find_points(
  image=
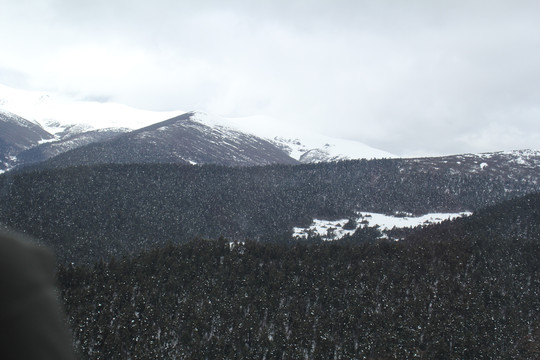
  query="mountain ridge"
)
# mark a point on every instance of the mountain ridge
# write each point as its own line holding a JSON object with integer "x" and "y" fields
{"x": 16, "y": 135}
{"x": 75, "y": 123}
{"x": 177, "y": 140}
{"x": 61, "y": 116}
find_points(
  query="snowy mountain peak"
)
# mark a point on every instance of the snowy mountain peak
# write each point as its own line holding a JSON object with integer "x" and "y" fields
{"x": 300, "y": 144}
{"x": 62, "y": 116}
{"x": 178, "y": 140}
{"x": 9, "y": 117}
{"x": 58, "y": 114}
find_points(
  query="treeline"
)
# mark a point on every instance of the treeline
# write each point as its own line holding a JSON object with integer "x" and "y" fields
{"x": 88, "y": 213}
{"x": 450, "y": 291}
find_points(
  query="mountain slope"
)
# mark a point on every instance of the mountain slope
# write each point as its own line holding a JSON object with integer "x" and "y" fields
{"x": 301, "y": 144}
{"x": 515, "y": 219}
{"x": 441, "y": 296}
{"x": 67, "y": 141}
{"x": 16, "y": 135}
{"x": 178, "y": 140}
{"x": 89, "y": 212}
{"x": 519, "y": 163}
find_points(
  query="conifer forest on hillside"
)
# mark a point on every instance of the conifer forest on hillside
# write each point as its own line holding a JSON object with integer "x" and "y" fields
{"x": 199, "y": 262}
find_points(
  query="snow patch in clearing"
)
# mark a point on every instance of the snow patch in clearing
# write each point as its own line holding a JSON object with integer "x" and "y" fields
{"x": 45, "y": 141}
{"x": 386, "y": 222}
{"x": 333, "y": 229}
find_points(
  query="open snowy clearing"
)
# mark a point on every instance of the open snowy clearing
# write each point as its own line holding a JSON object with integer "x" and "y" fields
{"x": 333, "y": 229}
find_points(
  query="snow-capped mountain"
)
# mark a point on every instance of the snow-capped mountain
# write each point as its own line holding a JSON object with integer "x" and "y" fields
{"x": 60, "y": 124}
{"x": 16, "y": 135}
{"x": 63, "y": 117}
{"x": 61, "y": 144}
{"x": 23, "y": 142}
{"x": 301, "y": 144}
{"x": 66, "y": 123}
{"x": 178, "y": 140}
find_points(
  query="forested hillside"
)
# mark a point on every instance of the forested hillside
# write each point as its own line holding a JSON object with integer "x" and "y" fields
{"x": 87, "y": 213}
{"x": 455, "y": 291}
{"x": 514, "y": 219}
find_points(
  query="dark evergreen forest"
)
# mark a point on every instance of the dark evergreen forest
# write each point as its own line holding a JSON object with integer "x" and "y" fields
{"x": 463, "y": 289}
{"x": 95, "y": 212}
{"x": 198, "y": 262}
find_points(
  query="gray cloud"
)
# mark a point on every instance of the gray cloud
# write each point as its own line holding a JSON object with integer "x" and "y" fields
{"x": 415, "y": 77}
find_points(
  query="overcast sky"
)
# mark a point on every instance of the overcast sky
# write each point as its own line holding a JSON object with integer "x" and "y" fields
{"x": 409, "y": 77}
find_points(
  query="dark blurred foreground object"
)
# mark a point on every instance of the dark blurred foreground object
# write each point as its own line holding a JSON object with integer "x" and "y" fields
{"x": 31, "y": 322}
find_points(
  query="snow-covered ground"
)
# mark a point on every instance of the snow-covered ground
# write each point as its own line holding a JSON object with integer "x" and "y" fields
{"x": 333, "y": 229}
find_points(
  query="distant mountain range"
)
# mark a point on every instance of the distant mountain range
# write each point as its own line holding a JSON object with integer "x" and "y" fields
{"x": 35, "y": 127}
{"x": 186, "y": 137}
{"x": 197, "y": 138}
{"x": 190, "y": 138}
